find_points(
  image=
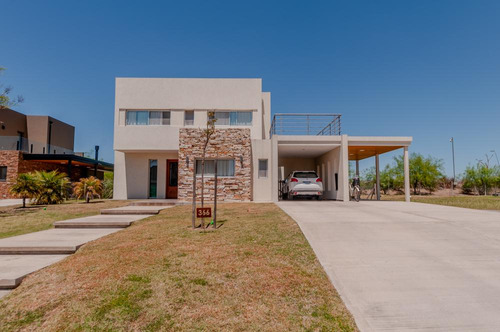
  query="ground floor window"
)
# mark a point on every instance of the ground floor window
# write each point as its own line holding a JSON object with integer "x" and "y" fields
{"x": 153, "y": 176}
{"x": 3, "y": 173}
{"x": 262, "y": 168}
{"x": 224, "y": 167}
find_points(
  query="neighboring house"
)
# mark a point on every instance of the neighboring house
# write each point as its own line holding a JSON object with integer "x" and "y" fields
{"x": 158, "y": 141}
{"x": 36, "y": 142}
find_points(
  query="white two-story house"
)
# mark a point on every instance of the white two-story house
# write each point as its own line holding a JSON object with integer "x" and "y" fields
{"x": 158, "y": 142}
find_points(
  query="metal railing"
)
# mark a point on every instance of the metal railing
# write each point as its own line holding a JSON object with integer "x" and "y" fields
{"x": 30, "y": 146}
{"x": 306, "y": 124}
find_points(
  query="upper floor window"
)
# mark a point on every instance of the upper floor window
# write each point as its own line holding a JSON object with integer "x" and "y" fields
{"x": 188, "y": 118}
{"x": 147, "y": 118}
{"x": 242, "y": 118}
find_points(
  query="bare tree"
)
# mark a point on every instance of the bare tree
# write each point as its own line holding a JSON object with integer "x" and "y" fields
{"x": 207, "y": 134}
{"x": 5, "y": 100}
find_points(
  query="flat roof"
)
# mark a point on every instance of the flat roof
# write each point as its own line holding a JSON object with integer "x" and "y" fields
{"x": 75, "y": 160}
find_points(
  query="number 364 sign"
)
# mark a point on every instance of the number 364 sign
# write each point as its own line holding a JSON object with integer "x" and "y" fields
{"x": 204, "y": 212}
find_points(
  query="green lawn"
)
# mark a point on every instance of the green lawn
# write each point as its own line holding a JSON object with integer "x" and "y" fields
{"x": 471, "y": 202}
{"x": 256, "y": 272}
{"x": 14, "y": 220}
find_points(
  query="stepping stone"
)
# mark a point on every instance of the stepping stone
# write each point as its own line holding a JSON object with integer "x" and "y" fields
{"x": 52, "y": 241}
{"x": 4, "y": 292}
{"x": 154, "y": 202}
{"x": 100, "y": 221}
{"x": 145, "y": 210}
{"x": 13, "y": 268}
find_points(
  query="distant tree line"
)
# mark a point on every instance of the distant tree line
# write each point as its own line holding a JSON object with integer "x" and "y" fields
{"x": 427, "y": 174}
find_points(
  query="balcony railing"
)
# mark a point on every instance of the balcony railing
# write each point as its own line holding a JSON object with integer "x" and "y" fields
{"x": 30, "y": 146}
{"x": 306, "y": 124}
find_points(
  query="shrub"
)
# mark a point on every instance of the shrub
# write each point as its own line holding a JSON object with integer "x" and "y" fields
{"x": 52, "y": 187}
{"x": 26, "y": 186}
{"x": 107, "y": 185}
{"x": 88, "y": 188}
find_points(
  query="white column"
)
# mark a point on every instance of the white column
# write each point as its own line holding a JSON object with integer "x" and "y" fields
{"x": 407, "y": 174}
{"x": 344, "y": 169}
{"x": 357, "y": 168}
{"x": 274, "y": 169}
{"x": 377, "y": 175}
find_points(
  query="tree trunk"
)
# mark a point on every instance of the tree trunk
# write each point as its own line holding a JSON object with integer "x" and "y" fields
{"x": 24, "y": 202}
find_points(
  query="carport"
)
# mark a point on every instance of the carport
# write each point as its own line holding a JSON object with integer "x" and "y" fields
{"x": 360, "y": 148}
{"x": 329, "y": 156}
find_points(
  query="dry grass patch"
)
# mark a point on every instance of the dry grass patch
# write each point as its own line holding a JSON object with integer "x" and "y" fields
{"x": 255, "y": 273}
{"x": 471, "y": 202}
{"x": 14, "y": 220}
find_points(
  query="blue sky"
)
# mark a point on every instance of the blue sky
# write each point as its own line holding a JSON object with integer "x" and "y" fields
{"x": 427, "y": 69}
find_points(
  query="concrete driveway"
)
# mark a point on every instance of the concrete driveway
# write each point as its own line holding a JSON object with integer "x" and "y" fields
{"x": 408, "y": 266}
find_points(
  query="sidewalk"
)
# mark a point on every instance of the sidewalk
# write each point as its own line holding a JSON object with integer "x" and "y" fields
{"x": 25, "y": 254}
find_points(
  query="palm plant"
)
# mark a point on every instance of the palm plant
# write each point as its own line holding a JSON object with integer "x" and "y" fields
{"x": 26, "y": 186}
{"x": 53, "y": 187}
{"x": 88, "y": 188}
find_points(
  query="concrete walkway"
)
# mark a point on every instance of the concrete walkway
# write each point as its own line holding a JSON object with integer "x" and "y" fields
{"x": 25, "y": 254}
{"x": 408, "y": 266}
{"x": 10, "y": 202}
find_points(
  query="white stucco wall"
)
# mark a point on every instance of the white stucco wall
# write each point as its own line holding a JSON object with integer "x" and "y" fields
{"x": 261, "y": 149}
{"x": 329, "y": 164}
{"x": 177, "y": 95}
{"x": 131, "y": 178}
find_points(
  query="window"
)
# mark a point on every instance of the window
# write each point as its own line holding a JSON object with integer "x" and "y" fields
{"x": 188, "y": 118}
{"x": 3, "y": 173}
{"x": 153, "y": 176}
{"x": 145, "y": 118}
{"x": 224, "y": 167}
{"x": 262, "y": 168}
{"x": 242, "y": 118}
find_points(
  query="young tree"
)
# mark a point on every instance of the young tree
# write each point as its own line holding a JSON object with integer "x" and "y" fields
{"x": 425, "y": 173}
{"x": 26, "y": 186}
{"x": 5, "y": 100}
{"x": 88, "y": 188}
{"x": 207, "y": 134}
{"x": 480, "y": 179}
{"x": 53, "y": 187}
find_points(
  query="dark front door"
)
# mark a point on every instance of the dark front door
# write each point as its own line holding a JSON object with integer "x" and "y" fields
{"x": 172, "y": 177}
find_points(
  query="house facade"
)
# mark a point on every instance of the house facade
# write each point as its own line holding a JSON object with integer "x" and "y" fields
{"x": 40, "y": 143}
{"x": 159, "y": 137}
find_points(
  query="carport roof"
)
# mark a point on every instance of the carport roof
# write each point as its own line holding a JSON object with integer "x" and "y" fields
{"x": 362, "y": 147}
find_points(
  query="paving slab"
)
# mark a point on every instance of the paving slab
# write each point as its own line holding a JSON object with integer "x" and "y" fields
{"x": 408, "y": 266}
{"x": 4, "y": 292}
{"x": 52, "y": 241}
{"x": 145, "y": 210}
{"x": 100, "y": 221}
{"x": 11, "y": 201}
{"x": 154, "y": 202}
{"x": 13, "y": 268}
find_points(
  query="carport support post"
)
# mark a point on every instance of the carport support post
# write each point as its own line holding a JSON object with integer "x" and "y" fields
{"x": 406, "y": 159}
{"x": 344, "y": 167}
{"x": 357, "y": 168}
{"x": 377, "y": 175}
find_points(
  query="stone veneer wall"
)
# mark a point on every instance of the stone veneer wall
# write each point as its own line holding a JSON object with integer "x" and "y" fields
{"x": 225, "y": 144}
{"x": 11, "y": 160}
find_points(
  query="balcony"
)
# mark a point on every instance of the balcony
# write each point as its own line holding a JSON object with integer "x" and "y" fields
{"x": 17, "y": 143}
{"x": 306, "y": 124}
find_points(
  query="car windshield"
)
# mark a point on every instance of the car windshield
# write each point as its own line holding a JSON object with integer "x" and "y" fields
{"x": 304, "y": 175}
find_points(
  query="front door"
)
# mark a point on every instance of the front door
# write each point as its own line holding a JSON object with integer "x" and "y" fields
{"x": 172, "y": 177}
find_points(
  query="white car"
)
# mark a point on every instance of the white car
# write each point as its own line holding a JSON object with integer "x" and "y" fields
{"x": 302, "y": 184}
